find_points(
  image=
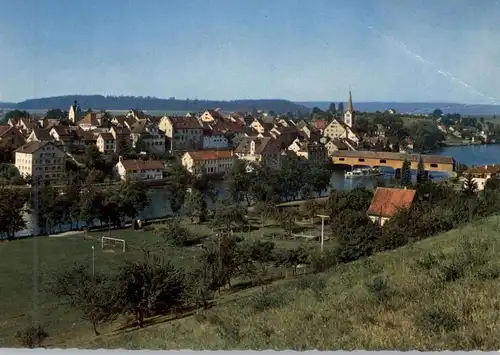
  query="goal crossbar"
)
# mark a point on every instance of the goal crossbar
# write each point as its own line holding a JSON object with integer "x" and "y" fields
{"x": 114, "y": 239}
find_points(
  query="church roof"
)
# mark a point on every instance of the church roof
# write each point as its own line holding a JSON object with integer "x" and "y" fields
{"x": 349, "y": 103}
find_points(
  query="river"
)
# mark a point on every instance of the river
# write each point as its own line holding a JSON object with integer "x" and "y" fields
{"x": 469, "y": 155}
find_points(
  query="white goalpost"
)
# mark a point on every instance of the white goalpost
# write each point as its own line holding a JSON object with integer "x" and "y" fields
{"x": 114, "y": 240}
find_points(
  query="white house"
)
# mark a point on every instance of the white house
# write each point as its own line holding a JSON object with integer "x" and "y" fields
{"x": 139, "y": 169}
{"x": 481, "y": 174}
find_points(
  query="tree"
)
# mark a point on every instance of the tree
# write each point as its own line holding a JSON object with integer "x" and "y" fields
{"x": 332, "y": 108}
{"x": 9, "y": 175}
{"x": 425, "y": 135}
{"x": 199, "y": 291}
{"x": 132, "y": 199}
{"x": 195, "y": 206}
{"x": 176, "y": 185}
{"x": 89, "y": 204}
{"x": 317, "y": 175}
{"x": 492, "y": 184}
{"x": 16, "y": 114}
{"x": 148, "y": 287}
{"x": 11, "y": 212}
{"x": 94, "y": 160}
{"x": 405, "y": 173}
{"x": 264, "y": 184}
{"x": 286, "y": 219}
{"x": 437, "y": 113}
{"x": 469, "y": 185}
{"x": 228, "y": 213}
{"x": 265, "y": 210}
{"x": 361, "y": 239}
{"x": 90, "y": 294}
{"x": 316, "y": 111}
{"x": 56, "y": 114}
{"x": 290, "y": 179}
{"x": 256, "y": 257}
{"x": 173, "y": 233}
{"x": 421, "y": 175}
{"x": 238, "y": 181}
{"x": 340, "y": 108}
{"x": 51, "y": 208}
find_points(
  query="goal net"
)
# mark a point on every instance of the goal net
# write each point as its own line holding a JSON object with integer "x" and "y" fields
{"x": 112, "y": 242}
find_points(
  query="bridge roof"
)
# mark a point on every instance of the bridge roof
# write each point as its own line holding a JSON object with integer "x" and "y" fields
{"x": 436, "y": 159}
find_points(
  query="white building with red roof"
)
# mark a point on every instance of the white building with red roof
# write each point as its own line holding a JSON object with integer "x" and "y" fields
{"x": 208, "y": 161}
{"x": 139, "y": 169}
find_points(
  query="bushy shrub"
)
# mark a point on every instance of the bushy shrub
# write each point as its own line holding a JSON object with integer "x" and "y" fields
{"x": 31, "y": 337}
{"x": 379, "y": 288}
{"x": 437, "y": 320}
{"x": 429, "y": 261}
{"x": 268, "y": 299}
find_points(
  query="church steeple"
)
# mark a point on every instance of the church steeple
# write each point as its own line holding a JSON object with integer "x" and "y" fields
{"x": 349, "y": 114}
{"x": 349, "y": 103}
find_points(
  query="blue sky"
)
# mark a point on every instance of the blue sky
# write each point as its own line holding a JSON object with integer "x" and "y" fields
{"x": 229, "y": 49}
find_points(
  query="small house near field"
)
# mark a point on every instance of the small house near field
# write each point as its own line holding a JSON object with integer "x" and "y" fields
{"x": 387, "y": 202}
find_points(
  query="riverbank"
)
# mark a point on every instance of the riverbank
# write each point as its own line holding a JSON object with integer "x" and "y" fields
{"x": 458, "y": 143}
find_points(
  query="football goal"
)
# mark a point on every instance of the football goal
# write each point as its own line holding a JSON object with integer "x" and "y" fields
{"x": 113, "y": 241}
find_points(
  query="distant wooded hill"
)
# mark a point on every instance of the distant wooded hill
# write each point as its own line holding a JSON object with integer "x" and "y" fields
{"x": 156, "y": 104}
{"x": 415, "y": 107}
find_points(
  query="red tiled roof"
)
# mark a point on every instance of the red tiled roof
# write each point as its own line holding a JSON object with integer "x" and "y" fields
{"x": 484, "y": 169}
{"x": 141, "y": 165}
{"x": 4, "y": 129}
{"x": 184, "y": 122}
{"x": 210, "y": 154}
{"x": 42, "y": 134}
{"x": 387, "y": 201}
{"x": 90, "y": 118}
{"x": 107, "y": 136}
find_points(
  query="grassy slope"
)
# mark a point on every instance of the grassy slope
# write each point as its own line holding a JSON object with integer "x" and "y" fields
{"x": 338, "y": 310}
{"x": 55, "y": 253}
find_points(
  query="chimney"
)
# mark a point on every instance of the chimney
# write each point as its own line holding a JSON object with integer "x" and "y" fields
{"x": 120, "y": 158}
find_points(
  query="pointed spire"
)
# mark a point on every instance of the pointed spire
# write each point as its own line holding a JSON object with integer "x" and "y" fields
{"x": 349, "y": 103}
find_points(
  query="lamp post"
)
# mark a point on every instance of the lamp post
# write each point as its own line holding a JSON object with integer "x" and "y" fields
{"x": 93, "y": 261}
{"x": 323, "y": 217}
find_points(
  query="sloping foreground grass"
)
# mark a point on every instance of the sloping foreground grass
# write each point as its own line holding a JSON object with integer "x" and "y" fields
{"x": 18, "y": 306}
{"x": 441, "y": 293}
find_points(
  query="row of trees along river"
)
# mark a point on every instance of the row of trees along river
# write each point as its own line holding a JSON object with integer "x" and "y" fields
{"x": 81, "y": 204}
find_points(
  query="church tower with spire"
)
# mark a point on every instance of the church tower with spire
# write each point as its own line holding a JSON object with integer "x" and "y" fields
{"x": 349, "y": 114}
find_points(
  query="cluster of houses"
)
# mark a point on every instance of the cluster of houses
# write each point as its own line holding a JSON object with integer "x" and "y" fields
{"x": 467, "y": 133}
{"x": 207, "y": 142}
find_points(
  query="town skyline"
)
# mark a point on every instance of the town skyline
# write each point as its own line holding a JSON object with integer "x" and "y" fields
{"x": 298, "y": 52}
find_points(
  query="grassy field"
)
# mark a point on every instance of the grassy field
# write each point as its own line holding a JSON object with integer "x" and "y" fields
{"x": 441, "y": 293}
{"x": 17, "y": 295}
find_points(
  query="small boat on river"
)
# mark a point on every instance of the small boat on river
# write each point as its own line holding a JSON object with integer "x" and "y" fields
{"x": 363, "y": 172}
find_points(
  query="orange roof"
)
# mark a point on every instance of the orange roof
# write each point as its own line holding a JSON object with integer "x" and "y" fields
{"x": 484, "y": 169}
{"x": 141, "y": 165}
{"x": 387, "y": 201}
{"x": 89, "y": 118}
{"x": 210, "y": 154}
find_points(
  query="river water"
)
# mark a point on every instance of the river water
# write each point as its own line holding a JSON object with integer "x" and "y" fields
{"x": 468, "y": 155}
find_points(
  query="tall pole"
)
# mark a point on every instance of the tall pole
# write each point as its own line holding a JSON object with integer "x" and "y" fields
{"x": 322, "y": 216}
{"x": 36, "y": 269}
{"x": 93, "y": 261}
